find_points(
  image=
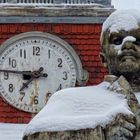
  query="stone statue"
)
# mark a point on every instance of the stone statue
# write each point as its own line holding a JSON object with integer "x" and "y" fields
{"x": 120, "y": 53}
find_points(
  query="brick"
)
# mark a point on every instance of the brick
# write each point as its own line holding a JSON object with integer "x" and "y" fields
{"x": 97, "y": 29}
{"x": 12, "y": 28}
{"x": 71, "y": 41}
{"x": 101, "y": 75}
{"x": 4, "y": 103}
{"x": 82, "y": 42}
{"x": 97, "y": 58}
{"x": 79, "y": 29}
{"x": 68, "y": 36}
{"x": 80, "y": 47}
{"x": 97, "y": 69}
{"x": 95, "y": 42}
{"x": 23, "y": 28}
{"x": 13, "y": 120}
{"x": 40, "y": 28}
{"x": 28, "y": 115}
{"x": 4, "y": 28}
{"x": 20, "y": 120}
{"x": 74, "y": 29}
{"x": 0, "y": 28}
{"x": 95, "y": 53}
{"x": 57, "y": 29}
{"x": 29, "y": 28}
{"x": 1, "y": 102}
{"x": 85, "y": 28}
{"x": 94, "y": 36}
{"x": 89, "y": 63}
{"x": 90, "y": 47}
{"x": 26, "y": 120}
{"x": 98, "y": 80}
{"x": 103, "y": 70}
{"x": 83, "y": 53}
{"x": 2, "y": 119}
{"x": 67, "y": 29}
{"x": 3, "y": 108}
{"x": 90, "y": 69}
{"x": 100, "y": 64}
{"x": 97, "y": 48}
{"x": 4, "y": 114}
{"x": 85, "y": 58}
{"x": 92, "y": 29}
{"x": 92, "y": 82}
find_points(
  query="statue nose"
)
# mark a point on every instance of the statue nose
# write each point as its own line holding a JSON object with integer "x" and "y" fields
{"x": 128, "y": 45}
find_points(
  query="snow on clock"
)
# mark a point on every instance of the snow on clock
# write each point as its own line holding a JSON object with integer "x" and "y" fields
{"x": 34, "y": 65}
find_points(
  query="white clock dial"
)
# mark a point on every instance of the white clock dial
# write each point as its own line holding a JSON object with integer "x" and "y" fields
{"x": 29, "y": 91}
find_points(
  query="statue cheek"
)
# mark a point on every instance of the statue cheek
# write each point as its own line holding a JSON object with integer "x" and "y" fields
{"x": 139, "y": 62}
{"x": 112, "y": 53}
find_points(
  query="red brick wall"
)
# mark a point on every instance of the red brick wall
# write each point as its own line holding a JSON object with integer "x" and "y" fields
{"x": 85, "y": 39}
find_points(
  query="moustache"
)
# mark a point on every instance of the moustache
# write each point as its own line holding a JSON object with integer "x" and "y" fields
{"x": 130, "y": 52}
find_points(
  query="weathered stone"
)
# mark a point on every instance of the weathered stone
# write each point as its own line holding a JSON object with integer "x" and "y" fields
{"x": 125, "y": 89}
{"x": 118, "y": 128}
{"x": 123, "y": 125}
{"x": 55, "y": 11}
{"x": 124, "y": 61}
{"x": 85, "y": 134}
{"x": 103, "y": 2}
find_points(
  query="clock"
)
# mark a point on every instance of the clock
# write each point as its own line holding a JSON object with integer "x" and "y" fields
{"x": 33, "y": 66}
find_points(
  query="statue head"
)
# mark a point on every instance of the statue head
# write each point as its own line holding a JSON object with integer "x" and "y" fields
{"x": 120, "y": 43}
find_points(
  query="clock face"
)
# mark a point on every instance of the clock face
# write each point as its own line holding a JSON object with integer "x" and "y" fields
{"x": 32, "y": 68}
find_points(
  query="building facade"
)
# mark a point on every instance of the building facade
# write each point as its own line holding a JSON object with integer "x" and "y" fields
{"x": 78, "y": 25}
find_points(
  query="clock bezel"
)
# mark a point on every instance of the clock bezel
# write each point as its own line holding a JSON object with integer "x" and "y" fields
{"x": 75, "y": 58}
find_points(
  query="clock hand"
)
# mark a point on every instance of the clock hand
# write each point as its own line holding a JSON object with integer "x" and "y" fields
{"x": 25, "y": 85}
{"x": 24, "y": 72}
{"x": 18, "y": 72}
{"x": 35, "y": 74}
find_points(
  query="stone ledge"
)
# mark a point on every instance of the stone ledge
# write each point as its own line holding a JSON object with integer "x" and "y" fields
{"x": 60, "y": 10}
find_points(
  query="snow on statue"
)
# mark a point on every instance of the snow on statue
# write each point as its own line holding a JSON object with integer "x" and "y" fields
{"x": 110, "y": 110}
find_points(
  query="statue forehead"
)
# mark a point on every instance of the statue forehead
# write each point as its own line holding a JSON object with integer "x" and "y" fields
{"x": 126, "y": 20}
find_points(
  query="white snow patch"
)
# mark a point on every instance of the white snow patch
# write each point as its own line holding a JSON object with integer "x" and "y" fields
{"x": 122, "y": 20}
{"x": 79, "y": 108}
{"x": 10, "y": 131}
{"x": 138, "y": 96}
{"x": 127, "y": 38}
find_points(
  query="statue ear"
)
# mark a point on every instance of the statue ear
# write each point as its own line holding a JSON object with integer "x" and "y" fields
{"x": 103, "y": 59}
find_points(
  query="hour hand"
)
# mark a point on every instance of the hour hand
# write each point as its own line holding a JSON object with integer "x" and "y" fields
{"x": 25, "y": 85}
{"x": 34, "y": 75}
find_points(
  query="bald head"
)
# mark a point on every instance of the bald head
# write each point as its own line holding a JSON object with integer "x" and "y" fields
{"x": 120, "y": 42}
{"x": 126, "y": 20}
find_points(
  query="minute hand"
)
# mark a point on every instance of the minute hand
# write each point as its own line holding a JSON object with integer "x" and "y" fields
{"x": 17, "y": 72}
{"x": 31, "y": 73}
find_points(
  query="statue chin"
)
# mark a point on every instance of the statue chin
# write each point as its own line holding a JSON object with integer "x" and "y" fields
{"x": 129, "y": 66}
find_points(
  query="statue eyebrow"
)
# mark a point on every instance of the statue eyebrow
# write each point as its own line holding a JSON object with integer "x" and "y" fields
{"x": 115, "y": 35}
